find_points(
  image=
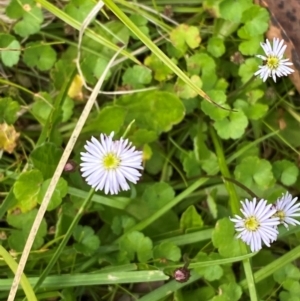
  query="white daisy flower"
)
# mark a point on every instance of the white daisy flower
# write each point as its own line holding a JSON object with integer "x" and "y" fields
{"x": 257, "y": 224}
{"x": 274, "y": 64}
{"x": 286, "y": 209}
{"x": 108, "y": 164}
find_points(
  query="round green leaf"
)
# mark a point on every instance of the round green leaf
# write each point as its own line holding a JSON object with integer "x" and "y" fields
{"x": 216, "y": 46}
{"x": 109, "y": 119}
{"x": 31, "y": 22}
{"x": 250, "y": 47}
{"x": 190, "y": 218}
{"x": 38, "y": 55}
{"x": 185, "y": 91}
{"x": 26, "y": 189}
{"x": 223, "y": 238}
{"x": 231, "y": 10}
{"x": 8, "y": 110}
{"x": 86, "y": 241}
{"x": 153, "y": 110}
{"x": 137, "y": 76}
{"x": 60, "y": 191}
{"x": 10, "y": 54}
{"x": 232, "y": 127}
{"x": 79, "y": 9}
{"x": 252, "y": 170}
{"x": 45, "y": 158}
{"x": 158, "y": 194}
{"x": 286, "y": 172}
{"x": 136, "y": 243}
{"x": 23, "y": 222}
{"x": 167, "y": 250}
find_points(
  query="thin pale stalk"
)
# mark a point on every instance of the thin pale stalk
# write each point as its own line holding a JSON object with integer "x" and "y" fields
{"x": 69, "y": 147}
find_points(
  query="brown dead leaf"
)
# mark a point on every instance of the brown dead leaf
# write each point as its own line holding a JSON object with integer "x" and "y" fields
{"x": 8, "y": 137}
{"x": 285, "y": 24}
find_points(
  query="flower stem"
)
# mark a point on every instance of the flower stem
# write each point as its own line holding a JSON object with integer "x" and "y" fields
{"x": 234, "y": 204}
{"x": 66, "y": 238}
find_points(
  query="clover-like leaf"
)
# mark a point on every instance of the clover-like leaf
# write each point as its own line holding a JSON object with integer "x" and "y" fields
{"x": 39, "y": 55}
{"x": 253, "y": 170}
{"x": 8, "y": 110}
{"x": 26, "y": 189}
{"x": 190, "y": 218}
{"x": 289, "y": 271}
{"x": 247, "y": 69}
{"x": 153, "y": 110}
{"x": 45, "y": 158}
{"x": 161, "y": 71}
{"x": 184, "y": 36}
{"x": 121, "y": 223}
{"x": 216, "y": 46}
{"x": 251, "y": 46}
{"x": 110, "y": 118}
{"x": 135, "y": 243}
{"x": 191, "y": 164}
{"x": 23, "y": 223}
{"x": 15, "y": 9}
{"x": 167, "y": 250}
{"x": 212, "y": 110}
{"x": 62, "y": 69}
{"x": 137, "y": 76}
{"x": 42, "y": 107}
{"x": 201, "y": 62}
{"x": 232, "y": 127}
{"x": 32, "y": 19}
{"x": 142, "y": 136}
{"x": 256, "y": 20}
{"x": 141, "y": 22}
{"x": 253, "y": 111}
{"x": 230, "y": 292}
{"x": 9, "y": 53}
{"x": 59, "y": 193}
{"x": 86, "y": 240}
{"x": 79, "y": 9}
{"x": 223, "y": 238}
{"x": 231, "y": 11}
{"x": 185, "y": 91}
{"x": 212, "y": 272}
{"x": 158, "y": 194}
{"x": 286, "y": 172}
{"x": 155, "y": 164}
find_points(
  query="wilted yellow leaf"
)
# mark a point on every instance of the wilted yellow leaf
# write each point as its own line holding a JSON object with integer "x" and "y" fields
{"x": 8, "y": 137}
{"x": 75, "y": 90}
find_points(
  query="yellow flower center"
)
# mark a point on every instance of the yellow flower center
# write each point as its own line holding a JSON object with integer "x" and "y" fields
{"x": 251, "y": 223}
{"x": 272, "y": 62}
{"x": 111, "y": 161}
{"x": 280, "y": 214}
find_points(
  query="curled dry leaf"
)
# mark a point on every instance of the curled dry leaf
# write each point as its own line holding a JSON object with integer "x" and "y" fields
{"x": 75, "y": 90}
{"x": 8, "y": 137}
{"x": 285, "y": 24}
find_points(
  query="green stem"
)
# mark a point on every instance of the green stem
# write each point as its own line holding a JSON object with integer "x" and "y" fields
{"x": 233, "y": 197}
{"x": 234, "y": 204}
{"x": 24, "y": 281}
{"x": 66, "y": 238}
{"x": 148, "y": 221}
{"x": 159, "y": 53}
{"x": 274, "y": 266}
